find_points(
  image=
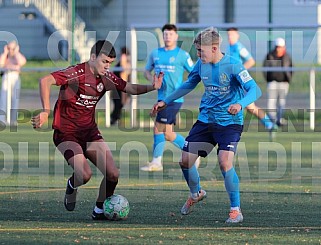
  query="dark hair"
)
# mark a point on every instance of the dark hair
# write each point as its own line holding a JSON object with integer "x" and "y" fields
{"x": 232, "y": 29}
{"x": 169, "y": 27}
{"x": 124, "y": 50}
{"x": 103, "y": 47}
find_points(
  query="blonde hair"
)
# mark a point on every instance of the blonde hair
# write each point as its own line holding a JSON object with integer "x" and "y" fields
{"x": 207, "y": 37}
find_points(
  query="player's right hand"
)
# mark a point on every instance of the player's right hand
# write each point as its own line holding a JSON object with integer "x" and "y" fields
{"x": 38, "y": 120}
{"x": 157, "y": 107}
{"x": 158, "y": 80}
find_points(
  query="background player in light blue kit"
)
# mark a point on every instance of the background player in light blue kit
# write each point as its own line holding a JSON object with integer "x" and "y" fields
{"x": 173, "y": 61}
{"x": 220, "y": 121}
{"x": 238, "y": 51}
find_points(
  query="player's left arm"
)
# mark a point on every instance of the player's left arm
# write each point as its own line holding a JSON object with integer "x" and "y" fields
{"x": 189, "y": 64}
{"x": 248, "y": 60}
{"x": 249, "y": 63}
{"x": 253, "y": 91}
{"x": 142, "y": 89}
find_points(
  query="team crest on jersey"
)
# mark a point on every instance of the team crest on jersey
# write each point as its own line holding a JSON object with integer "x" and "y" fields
{"x": 245, "y": 76}
{"x": 172, "y": 59}
{"x": 100, "y": 87}
{"x": 224, "y": 79}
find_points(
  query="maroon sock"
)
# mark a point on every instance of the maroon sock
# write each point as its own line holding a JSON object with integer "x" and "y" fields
{"x": 110, "y": 187}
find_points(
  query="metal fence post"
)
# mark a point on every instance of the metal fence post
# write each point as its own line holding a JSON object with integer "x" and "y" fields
{"x": 312, "y": 99}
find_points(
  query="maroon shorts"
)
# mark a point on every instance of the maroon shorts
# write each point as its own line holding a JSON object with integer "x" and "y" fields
{"x": 71, "y": 144}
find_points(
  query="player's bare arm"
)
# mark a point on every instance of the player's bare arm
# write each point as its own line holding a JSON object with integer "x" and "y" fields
{"x": 248, "y": 64}
{"x": 234, "y": 109}
{"x": 148, "y": 75}
{"x": 142, "y": 89}
{"x": 44, "y": 86}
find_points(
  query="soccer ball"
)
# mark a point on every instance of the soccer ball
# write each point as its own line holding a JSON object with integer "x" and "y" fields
{"x": 116, "y": 207}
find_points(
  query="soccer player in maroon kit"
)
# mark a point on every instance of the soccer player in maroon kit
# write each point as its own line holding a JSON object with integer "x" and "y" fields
{"x": 76, "y": 134}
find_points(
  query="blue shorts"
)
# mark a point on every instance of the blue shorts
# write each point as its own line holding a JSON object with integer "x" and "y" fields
{"x": 203, "y": 137}
{"x": 168, "y": 115}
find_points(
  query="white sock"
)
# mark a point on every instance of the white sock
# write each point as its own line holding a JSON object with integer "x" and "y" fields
{"x": 157, "y": 160}
{"x": 98, "y": 210}
{"x": 195, "y": 195}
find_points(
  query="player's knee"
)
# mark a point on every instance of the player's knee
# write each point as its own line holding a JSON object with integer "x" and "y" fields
{"x": 184, "y": 164}
{"x": 167, "y": 137}
{"x": 170, "y": 136}
{"x": 225, "y": 166}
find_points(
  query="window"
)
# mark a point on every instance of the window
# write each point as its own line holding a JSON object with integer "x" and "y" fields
{"x": 187, "y": 11}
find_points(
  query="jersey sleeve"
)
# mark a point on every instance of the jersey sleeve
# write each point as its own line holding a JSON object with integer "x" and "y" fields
{"x": 112, "y": 81}
{"x": 186, "y": 87}
{"x": 65, "y": 76}
{"x": 189, "y": 64}
{"x": 244, "y": 53}
{"x": 253, "y": 91}
{"x": 150, "y": 62}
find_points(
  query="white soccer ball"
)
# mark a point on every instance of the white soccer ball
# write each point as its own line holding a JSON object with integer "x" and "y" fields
{"x": 116, "y": 207}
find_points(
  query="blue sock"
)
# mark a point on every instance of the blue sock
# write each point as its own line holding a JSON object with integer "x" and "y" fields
{"x": 179, "y": 141}
{"x": 232, "y": 185}
{"x": 267, "y": 122}
{"x": 192, "y": 178}
{"x": 159, "y": 144}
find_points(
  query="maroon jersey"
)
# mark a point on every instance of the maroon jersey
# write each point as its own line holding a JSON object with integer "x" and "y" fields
{"x": 79, "y": 94}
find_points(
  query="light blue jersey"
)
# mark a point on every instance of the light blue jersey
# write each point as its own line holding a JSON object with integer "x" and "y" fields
{"x": 226, "y": 82}
{"x": 239, "y": 52}
{"x": 172, "y": 63}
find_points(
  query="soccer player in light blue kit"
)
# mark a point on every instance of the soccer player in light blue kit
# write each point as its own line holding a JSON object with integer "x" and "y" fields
{"x": 173, "y": 61}
{"x": 229, "y": 88}
{"x": 238, "y": 51}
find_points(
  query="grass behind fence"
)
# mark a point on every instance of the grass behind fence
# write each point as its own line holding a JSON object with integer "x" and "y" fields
{"x": 300, "y": 83}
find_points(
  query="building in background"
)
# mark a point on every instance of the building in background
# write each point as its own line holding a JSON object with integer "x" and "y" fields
{"x": 112, "y": 18}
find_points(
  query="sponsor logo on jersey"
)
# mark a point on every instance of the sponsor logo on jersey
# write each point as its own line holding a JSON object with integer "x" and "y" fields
{"x": 89, "y": 97}
{"x": 245, "y": 76}
{"x": 87, "y": 100}
{"x": 166, "y": 68}
{"x": 100, "y": 87}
